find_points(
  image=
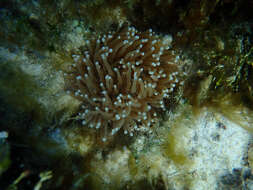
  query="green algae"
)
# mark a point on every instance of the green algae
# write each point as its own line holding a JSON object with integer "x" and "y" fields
{"x": 5, "y": 160}
{"x": 171, "y": 151}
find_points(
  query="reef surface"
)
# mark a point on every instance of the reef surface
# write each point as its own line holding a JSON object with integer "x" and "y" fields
{"x": 126, "y": 94}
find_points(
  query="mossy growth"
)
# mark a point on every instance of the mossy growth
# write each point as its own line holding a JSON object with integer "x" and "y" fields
{"x": 4, "y": 156}
{"x": 170, "y": 150}
{"x": 132, "y": 166}
{"x": 235, "y": 105}
{"x": 250, "y": 156}
{"x": 18, "y": 27}
{"x": 152, "y": 162}
{"x": 222, "y": 70}
{"x": 18, "y": 91}
{"x": 173, "y": 133}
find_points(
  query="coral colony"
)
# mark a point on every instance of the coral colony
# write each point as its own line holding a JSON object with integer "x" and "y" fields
{"x": 122, "y": 79}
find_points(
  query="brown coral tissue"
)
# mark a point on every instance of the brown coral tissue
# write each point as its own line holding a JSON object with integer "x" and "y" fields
{"x": 122, "y": 80}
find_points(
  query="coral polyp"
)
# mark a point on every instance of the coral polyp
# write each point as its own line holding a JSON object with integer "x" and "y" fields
{"x": 122, "y": 79}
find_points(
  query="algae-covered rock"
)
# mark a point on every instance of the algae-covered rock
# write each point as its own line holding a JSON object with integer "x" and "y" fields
{"x": 202, "y": 135}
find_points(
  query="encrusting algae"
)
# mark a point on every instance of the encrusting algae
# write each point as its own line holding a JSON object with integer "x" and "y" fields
{"x": 122, "y": 80}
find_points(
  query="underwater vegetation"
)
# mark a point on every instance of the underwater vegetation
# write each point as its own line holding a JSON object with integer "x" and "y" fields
{"x": 135, "y": 95}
